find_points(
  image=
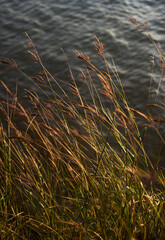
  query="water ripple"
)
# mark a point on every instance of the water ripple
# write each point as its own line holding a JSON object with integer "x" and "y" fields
{"x": 71, "y": 25}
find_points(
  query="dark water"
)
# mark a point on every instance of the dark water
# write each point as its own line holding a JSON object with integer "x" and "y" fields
{"x": 70, "y": 25}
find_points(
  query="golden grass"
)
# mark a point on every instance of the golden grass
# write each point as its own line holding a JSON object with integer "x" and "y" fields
{"x": 75, "y": 170}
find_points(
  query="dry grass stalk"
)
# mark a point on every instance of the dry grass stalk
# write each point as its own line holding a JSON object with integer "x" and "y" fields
{"x": 72, "y": 172}
{"x": 99, "y": 47}
{"x": 10, "y": 63}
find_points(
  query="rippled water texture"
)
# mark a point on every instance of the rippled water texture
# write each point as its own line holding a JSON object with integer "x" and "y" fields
{"x": 71, "y": 25}
{"x": 56, "y": 24}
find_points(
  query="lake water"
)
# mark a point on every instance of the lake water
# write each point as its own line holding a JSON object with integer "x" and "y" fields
{"x": 72, "y": 24}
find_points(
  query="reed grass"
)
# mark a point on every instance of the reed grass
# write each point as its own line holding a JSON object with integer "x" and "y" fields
{"x": 77, "y": 170}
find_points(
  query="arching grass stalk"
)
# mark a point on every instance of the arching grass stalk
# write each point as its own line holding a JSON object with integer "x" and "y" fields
{"x": 78, "y": 169}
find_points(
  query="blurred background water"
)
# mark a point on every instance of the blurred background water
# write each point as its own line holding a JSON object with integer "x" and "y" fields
{"x": 70, "y": 25}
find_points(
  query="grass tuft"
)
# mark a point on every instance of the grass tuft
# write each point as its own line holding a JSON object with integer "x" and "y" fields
{"x": 70, "y": 169}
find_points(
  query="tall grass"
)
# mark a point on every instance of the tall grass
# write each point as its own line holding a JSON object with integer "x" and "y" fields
{"x": 77, "y": 170}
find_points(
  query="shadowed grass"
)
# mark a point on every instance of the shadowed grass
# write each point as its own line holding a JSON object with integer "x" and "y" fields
{"x": 73, "y": 170}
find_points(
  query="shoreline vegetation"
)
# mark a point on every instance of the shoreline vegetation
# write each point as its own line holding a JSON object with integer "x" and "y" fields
{"x": 74, "y": 170}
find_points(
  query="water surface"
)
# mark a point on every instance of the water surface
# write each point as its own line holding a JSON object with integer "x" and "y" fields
{"x": 70, "y": 25}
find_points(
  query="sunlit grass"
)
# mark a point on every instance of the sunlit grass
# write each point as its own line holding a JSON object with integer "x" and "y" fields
{"x": 74, "y": 170}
